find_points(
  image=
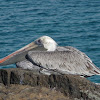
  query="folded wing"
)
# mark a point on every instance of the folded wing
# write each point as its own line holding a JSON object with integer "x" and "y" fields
{"x": 67, "y": 62}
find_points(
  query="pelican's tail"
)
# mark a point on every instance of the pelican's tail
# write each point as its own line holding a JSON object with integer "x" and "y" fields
{"x": 93, "y": 69}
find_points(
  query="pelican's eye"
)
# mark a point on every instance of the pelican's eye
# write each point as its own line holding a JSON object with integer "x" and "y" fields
{"x": 39, "y": 41}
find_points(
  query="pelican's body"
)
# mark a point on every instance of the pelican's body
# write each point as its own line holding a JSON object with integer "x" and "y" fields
{"x": 52, "y": 59}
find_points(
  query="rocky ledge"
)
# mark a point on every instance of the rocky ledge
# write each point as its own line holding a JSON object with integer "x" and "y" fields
{"x": 19, "y": 84}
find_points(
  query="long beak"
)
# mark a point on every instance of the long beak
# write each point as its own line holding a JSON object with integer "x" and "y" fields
{"x": 18, "y": 55}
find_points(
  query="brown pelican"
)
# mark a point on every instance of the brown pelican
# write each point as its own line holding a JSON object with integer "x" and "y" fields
{"x": 45, "y": 56}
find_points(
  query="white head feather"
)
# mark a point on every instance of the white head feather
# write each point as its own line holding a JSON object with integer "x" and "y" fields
{"x": 47, "y": 42}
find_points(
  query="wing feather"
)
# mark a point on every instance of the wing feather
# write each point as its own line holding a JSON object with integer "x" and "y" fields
{"x": 68, "y": 61}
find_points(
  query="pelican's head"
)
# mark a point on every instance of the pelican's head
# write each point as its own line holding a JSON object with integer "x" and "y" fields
{"x": 46, "y": 42}
{"x": 43, "y": 43}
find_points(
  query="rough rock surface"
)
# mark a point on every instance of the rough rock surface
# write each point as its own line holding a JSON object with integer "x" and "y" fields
{"x": 70, "y": 86}
{"x": 26, "y": 92}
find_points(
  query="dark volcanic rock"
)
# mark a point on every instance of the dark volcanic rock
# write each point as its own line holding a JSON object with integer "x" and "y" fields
{"x": 73, "y": 87}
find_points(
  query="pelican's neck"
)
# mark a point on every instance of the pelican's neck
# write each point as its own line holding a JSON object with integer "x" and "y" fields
{"x": 50, "y": 47}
